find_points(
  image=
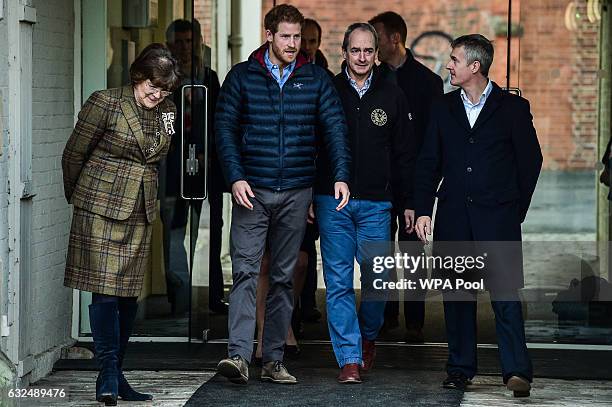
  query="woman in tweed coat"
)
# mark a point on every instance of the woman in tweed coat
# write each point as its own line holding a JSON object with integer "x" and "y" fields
{"x": 110, "y": 177}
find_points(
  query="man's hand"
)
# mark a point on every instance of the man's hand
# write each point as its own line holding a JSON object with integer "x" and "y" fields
{"x": 341, "y": 188}
{"x": 423, "y": 228}
{"x": 241, "y": 191}
{"x": 409, "y": 218}
{"x": 311, "y": 215}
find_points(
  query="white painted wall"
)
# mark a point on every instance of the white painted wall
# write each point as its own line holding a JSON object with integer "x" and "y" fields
{"x": 52, "y": 123}
{"x": 49, "y": 303}
{"x": 251, "y": 23}
{"x": 3, "y": 169}
{"x": 7, "y": 371}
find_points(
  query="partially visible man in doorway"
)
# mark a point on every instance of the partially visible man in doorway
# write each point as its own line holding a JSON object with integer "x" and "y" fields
{"x": 184, "y": 39}
{"x": 421, "y": 86}
{"x": 380, "y": 137}
{"x": 308, "y": 311}
{"x": 268, "y": 109}
{"x": 311, "y": 44}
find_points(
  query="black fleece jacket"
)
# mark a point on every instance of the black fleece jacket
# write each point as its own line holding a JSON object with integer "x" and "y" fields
{"x": 381, "y": 140}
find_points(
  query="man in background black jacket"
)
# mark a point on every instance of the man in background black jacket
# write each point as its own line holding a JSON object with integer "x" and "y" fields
{"x": 421, "y": 86}
{"x": 307, "y": 307}
{"x": 311, "y": 42}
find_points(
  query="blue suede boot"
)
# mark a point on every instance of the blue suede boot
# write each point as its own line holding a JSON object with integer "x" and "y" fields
{"x": 104, "y": 321}
{"x": 127, "y": 314}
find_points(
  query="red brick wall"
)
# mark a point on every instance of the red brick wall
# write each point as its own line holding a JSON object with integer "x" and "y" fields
{"x": 203, "y": 13}
{"x": 558, "y": 75}
{"x": 556, "y": 69}
{"x": 453, "y": 17}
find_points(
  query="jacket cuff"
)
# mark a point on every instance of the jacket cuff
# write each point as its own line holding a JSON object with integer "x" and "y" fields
{"x": 420, "y": 212}
{"x": 408, "y": 202}
{"x": 236, "y": 176}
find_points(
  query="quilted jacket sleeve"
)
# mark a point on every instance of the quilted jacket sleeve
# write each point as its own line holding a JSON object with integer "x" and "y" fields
{"x": 227, "y": 128}
{"x": 334, "y": 129}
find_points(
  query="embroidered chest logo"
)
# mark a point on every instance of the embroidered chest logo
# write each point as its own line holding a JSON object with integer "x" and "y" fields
{"x": 168, "y": 119}
{"x": 298, "y": 85}
{"x": 379, "y": 117}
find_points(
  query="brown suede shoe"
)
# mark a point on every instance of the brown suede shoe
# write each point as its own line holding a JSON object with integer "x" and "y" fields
{"x": 276, "y": 372}
{"x": 349, "y": 374}
{"x": 368, "y": 350}
{"x": 519, "y": 386}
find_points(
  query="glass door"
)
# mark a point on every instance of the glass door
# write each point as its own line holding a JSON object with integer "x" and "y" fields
{"x": 121, "y": 29}
{"x": 556, "y": 66}
{"x": 546, "y": 50}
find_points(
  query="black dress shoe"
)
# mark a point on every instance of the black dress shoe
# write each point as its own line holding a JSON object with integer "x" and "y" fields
{"x": 456, "y": 381}
{"x": 219, "y": 307}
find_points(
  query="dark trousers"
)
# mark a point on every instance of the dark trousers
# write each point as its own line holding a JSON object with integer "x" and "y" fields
{"x": 460, "y": 317}
{"x": 215, "y": 282}
{"x": 281, "y": 216}
{"x": 414, "y": 305}
{"x": 174, "y": 216}
{"x": 308, "y": 297}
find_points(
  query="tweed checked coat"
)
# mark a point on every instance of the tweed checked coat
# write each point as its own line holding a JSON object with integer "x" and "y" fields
{"x": 110, "y": 169}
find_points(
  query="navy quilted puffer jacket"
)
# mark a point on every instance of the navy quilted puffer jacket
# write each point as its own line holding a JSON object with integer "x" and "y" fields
{"x": 267, "y": 136}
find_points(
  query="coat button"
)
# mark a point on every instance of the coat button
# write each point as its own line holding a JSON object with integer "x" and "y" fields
{"x": 469, "y": 169}
{"x": 471, "y": 140}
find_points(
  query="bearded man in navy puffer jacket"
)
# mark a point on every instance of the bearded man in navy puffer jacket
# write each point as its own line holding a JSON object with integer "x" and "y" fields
{"x": 269, "y": 110}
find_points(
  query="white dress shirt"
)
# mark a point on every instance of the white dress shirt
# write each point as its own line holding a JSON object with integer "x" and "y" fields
{"x": 473, "y": 110}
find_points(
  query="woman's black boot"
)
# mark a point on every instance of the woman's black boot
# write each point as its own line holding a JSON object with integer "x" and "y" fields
{"x": 104, "y": 321}
{"x": 127, "y": 315}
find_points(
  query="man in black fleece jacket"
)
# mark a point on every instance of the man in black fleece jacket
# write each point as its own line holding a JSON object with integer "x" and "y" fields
{"x": 421, "y": 86}
{"x": 380, "y": 138}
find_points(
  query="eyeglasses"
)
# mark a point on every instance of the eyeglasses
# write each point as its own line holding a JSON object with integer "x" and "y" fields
{"x": 154, "y": 89}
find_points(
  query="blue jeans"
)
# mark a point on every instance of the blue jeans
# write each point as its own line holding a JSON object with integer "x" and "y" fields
{"x": 345, "y": 236}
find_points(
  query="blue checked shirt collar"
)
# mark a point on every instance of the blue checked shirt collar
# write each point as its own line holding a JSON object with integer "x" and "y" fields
{"x": 275, "y": 70}
{"x": 366, "y": 85}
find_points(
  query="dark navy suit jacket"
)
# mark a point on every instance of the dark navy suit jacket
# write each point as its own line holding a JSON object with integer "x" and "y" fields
{"x": 489, "y": 173}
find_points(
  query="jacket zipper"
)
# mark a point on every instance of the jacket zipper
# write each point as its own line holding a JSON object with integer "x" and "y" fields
{"x": 281, "y": 138}
{"x": 356, "y": 156}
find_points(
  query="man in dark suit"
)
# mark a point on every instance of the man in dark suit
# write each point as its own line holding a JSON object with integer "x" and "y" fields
{"x": 481, "y": 140}
{"x": 421, "y": 86}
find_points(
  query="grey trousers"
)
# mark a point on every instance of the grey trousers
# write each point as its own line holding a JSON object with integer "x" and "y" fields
{"x": 281, "y": 218}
